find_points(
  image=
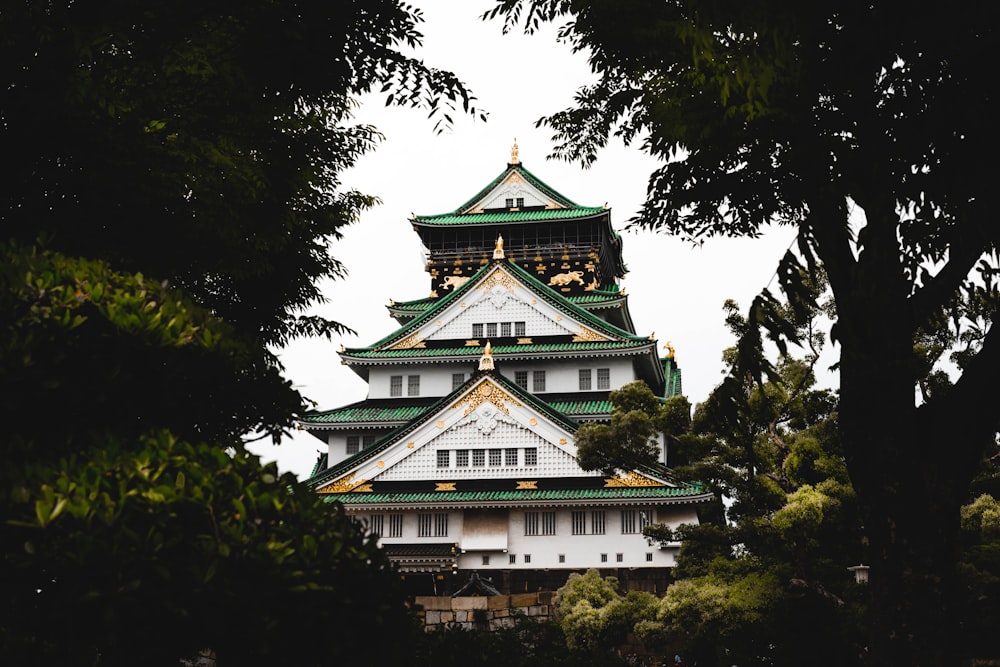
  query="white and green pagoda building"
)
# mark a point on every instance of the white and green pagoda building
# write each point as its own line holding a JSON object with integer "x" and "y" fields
{"x": 462, "y": 456}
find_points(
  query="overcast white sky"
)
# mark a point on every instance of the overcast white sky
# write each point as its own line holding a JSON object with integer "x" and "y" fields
{"x": 676, "y": 291}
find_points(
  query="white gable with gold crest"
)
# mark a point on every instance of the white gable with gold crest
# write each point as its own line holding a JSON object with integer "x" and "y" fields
{"x": 484, "y": 417}
{"x": 498, "y": 296}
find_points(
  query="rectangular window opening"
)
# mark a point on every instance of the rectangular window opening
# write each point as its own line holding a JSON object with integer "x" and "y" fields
{"x": 531, "y": 456}
{"x": 520, "y": 329}
{"x": 495, "y": 457}
{"x": 477, "y": 330}
{"x": 579, "y": 523}
{"x": 619, "y": 558}
{"x": 585, "y": 379}
{"x": 413, "y": 385}
{"x": 521, "y": 379}
{"x": 461, "y": 458}
{"x": 396, "y": 385}
{"x": 510, "y": 457}
{"x": 478, "y": 457}
{"x": 604, "y": 378}
{"x": 505, "y": 328}
{"x": 457, "y": 379}
{"x": 531, "y": 523}
{"x": 597, "y": 523}
{"x": 548, "y": 523}
{"x": 491, "y": 330}
{"x": 395, "y": 525}
{"x": 604, "y": 558}
{"x": 527, "y": 558}
{"x": 353, "y": 444}
{"x": 538, "y": 381}
{"x": 443, "y": 458}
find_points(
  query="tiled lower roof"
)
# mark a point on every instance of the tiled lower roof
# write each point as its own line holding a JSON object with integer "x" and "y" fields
{"x": 508, "y": 216}
{"x": 692, "y": 492}
{"x": 498, "y": 351}
{"x": 375, "y": 412}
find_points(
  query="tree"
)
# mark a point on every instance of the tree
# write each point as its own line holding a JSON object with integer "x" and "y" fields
{"x": 172, "y": 186}
{"x": 631, "y": 439}
{"x": 864, "y": 127}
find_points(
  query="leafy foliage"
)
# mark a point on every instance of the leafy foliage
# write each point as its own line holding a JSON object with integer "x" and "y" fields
{"x": 173, "y": 185}
{"x": 862, "y": 127}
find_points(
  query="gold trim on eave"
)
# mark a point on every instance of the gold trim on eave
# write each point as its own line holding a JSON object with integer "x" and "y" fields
{"x": 630, "y": 479}
{"x": 527, "y": 486}
{"x": 343, "y": 485}
{"x": 487, "y": 392}
{"x": 444, "y": 486}
{"x": 412, "y": 341}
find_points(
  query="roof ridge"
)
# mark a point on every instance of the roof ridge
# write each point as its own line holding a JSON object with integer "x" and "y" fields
{"x": 534, "y": 180}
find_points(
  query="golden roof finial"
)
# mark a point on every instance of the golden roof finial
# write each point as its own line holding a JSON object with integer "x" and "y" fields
{"x": 670, "y": 350}
{"x": 486, "y": 361}
{"x": 513, "y": 153}
{"x": 498, "y": 250}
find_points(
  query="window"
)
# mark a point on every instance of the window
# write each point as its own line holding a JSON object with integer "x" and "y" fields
{"x": 527, "y": 558}
{"x": 548, "y": 523}
{"x": 396, "y": 385}
{"x": 432, "y": 525}
{"x": 579, "y": 523}
{"x": 521, "y": 379}
{"x": 509, "y": 202}
{"x": 531, "y": 456}
{"x": 486, "y": 559}
{"x": 353, "y": 444}
{"x": 538, "y": 381}
{"x": 510, "y": 457}
{"x": 520, "y": 202}
{"x": 519, "y": 329}
{"x": 477, "y": 330}
{"x": 649, "y": 557}
{"x": 375, "y": 524}
{"x": 597, "y": 523}
{"x": 478, "y": 457}
{"x": 511, "y": 558}
{"x": 604, "y": 378}
{"x": 604, "y": 558}
{"x": 456, "y": 380}
{"x": 628, "y": 522}
{"x": 505, "y": 328}
{"x": 491, "y": 330}
{"x": 619, "y": 558}
{"x": 444, "y": 458}
{"x": 531, "y": 523}
{"x": 562, "y": 558}
{"x": 495, "y": 456}
{"x": 461, "y": 458}
{"x": 395, "y": 525}
{"x": 367, "y": 441}
{"x": 584, "y": 379}
{"x": 413, "y": 385}
{"x": 645, "y": 518}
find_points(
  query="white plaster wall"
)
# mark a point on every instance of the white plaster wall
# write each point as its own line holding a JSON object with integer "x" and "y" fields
{"x": 580, "y": 551}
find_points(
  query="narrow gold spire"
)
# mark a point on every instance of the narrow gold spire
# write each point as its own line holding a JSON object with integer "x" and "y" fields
{"x": 498, "y": 250}
{"x": 513, "y": 153}
{"x": 486, "y": 361}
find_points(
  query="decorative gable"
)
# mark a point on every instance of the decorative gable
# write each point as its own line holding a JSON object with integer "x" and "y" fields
{"x": 514, "y": 191}
{"x": 501, "y": 436}
{"x": 498, "y": 304}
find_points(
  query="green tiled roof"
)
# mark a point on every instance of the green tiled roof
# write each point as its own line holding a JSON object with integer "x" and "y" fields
{"x": 350, "y": 414}
{"x": 501, "y": 217}
{"x": 374, "y": 414}
{"x": 595, "y": 297}
{"x": 524, "y": 495}
{"x": 531, "y": 178}
{"x": 582, "y": 407}
{"x": 498, "y": 351}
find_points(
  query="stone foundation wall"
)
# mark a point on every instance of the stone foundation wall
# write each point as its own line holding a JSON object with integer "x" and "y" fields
{"x": 482, "y": 612}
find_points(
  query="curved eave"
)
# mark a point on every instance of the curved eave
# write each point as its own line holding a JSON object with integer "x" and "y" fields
{"x": 624, "y": 496}
{"x": 368, "y": 357}
{"x": 508, "y": 217}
